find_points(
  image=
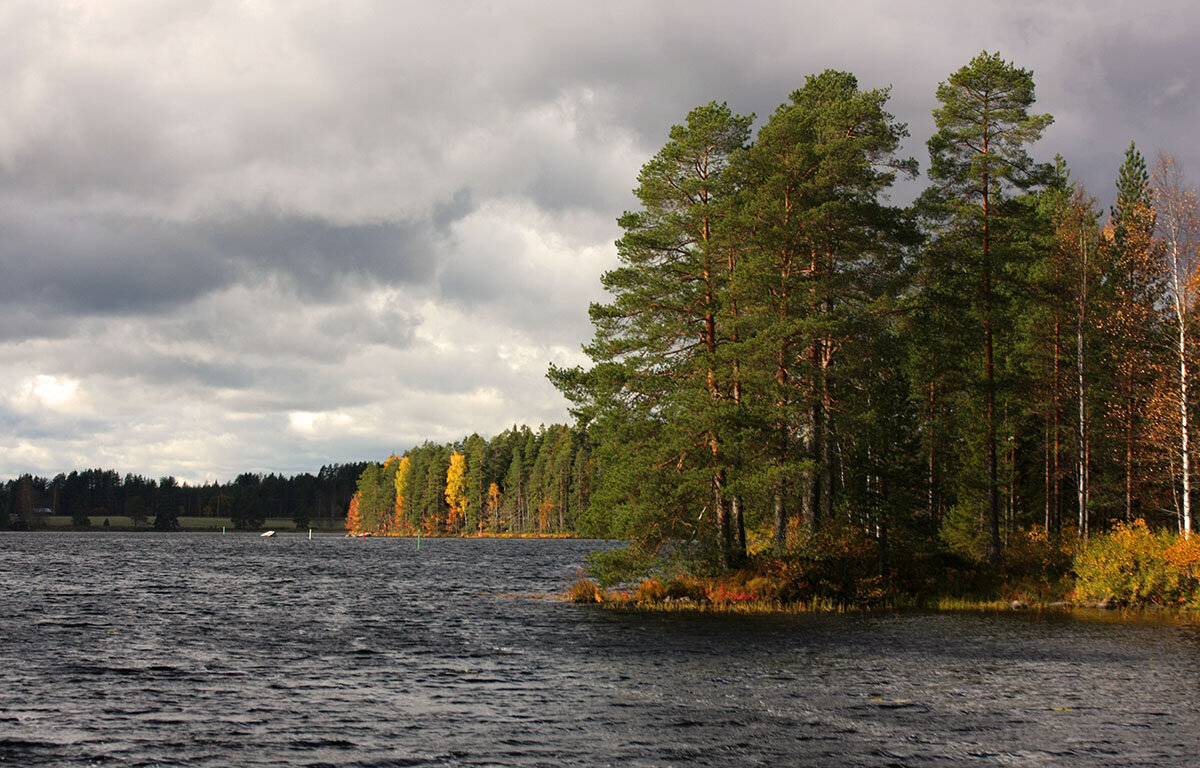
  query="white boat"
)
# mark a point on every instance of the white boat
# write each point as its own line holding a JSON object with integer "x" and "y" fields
{"x": 266, "y": 534}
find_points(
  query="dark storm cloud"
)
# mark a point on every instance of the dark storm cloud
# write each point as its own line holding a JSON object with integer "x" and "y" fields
{"x": 175, "y": 370}
{"x": 19, "y": 323}
{"x": 388, "y": 326}
{"x": 80, "y": 264}
{"x": 283, "y": 388}
{"x": 455, "y": 209}
{"x": 49, "y": 427}
{"x": 1121, "y": 85}
{"x": 83, "y": 263}
{"x": 317, "y": 256}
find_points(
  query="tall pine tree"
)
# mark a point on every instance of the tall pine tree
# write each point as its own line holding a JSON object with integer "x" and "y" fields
{"x": 978, "y": 159}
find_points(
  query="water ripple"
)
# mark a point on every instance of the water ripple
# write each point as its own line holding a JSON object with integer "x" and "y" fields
{"x": 203, "y": 650}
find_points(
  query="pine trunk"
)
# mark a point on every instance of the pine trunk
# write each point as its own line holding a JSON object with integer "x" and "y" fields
{"x": 993, "y": 480}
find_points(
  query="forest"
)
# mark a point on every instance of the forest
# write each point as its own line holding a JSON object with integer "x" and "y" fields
{"x": 792, "y": 372}
{"x": 789, "y": 366}
{"x": 520, "y": 482}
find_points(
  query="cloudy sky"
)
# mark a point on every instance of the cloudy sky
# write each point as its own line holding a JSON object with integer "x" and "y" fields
{"x": 268, "y": 236}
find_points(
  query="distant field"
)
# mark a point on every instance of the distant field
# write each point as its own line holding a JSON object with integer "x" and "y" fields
{"x": 187, "y": 523}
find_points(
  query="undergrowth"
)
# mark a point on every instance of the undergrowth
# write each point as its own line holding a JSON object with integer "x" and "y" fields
{"x": 837, "y": 569}
{"x": 1136, "y": 566}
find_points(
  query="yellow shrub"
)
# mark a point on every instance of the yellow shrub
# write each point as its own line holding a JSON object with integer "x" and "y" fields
{"x": 1135, "y": 565}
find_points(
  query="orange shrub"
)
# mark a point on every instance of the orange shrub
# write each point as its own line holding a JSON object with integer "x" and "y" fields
{"x": 584, "y": 590}
{"x": 650, "y": 591}
{"x": 1184, "y": 557}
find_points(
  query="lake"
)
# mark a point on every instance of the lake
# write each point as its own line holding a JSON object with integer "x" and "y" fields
{"x": 141, "y": 649}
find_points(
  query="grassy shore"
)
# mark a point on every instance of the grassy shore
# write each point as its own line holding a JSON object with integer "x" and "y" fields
{"x": 651, "y": 600}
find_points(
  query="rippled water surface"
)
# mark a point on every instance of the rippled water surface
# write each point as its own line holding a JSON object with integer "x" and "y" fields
{"x": 209, "y": 650}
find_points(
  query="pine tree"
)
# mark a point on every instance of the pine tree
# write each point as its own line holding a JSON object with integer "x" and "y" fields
{"x": 977, "y": 159}
{"x": 475, "y": 451}
{"x": 819, "y": 248}
{"x": 514, "y": 492}
{"x": 655, "y": 388}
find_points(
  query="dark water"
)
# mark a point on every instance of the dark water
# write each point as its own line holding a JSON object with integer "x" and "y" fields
{"x": 203, "y": 650}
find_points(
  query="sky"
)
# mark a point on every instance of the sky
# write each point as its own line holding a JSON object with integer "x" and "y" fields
{"x": 265, "y": 237}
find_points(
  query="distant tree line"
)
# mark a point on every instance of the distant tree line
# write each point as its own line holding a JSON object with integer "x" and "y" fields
{"x": 520, "y": 481}
{"x": 247, "y": 501}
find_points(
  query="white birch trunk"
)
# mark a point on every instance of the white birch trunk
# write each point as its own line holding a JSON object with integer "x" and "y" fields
{"x": 1179, "y": 279}
{"x": 1083, "y": 468}
{"x": 1184, "y": 453}
{"x": 1082, "y": 453}
{"x": 1179, "y": 214}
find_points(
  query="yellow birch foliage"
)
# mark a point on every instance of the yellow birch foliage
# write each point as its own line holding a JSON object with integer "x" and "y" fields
{"x": 387, "y": 517}
{"x": 456, "y": 491}
{"x": 1135, "y": 565}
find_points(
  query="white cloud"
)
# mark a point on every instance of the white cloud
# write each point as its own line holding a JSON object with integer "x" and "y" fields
{"x": 53, "y": 391}
{"x": 309, "y": 423}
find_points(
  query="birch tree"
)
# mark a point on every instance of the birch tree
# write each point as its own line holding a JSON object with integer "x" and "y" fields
{"x": 1178, "y": 215}
{"x": 456, "y": 492}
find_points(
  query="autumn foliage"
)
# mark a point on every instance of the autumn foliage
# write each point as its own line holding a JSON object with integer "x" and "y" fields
{"x": 456, "y": 491}
{"x": 1135, "y": 565}
{"x": 520, "y": 482}
{"x": 354, "y": 516}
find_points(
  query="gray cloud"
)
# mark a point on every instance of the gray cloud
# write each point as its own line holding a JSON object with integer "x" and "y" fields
{"x": 69, "y": 264}
{"x": 83, "y": 263}
{"x": 318, "y": 257}
{"x": 237, "y": 238}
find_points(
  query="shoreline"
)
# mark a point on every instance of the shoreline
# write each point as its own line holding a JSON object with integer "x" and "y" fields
{"x": 949, "y": 605}
{"x": 280, "y": 529}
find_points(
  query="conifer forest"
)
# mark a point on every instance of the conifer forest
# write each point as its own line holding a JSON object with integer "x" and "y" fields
{"x": 785, "y": 353}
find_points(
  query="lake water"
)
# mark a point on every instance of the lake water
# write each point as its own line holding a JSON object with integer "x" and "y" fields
{"x": 209, "y": 650}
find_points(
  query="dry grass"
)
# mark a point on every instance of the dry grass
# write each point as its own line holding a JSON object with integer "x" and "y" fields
{"x": 584, "y": 590}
